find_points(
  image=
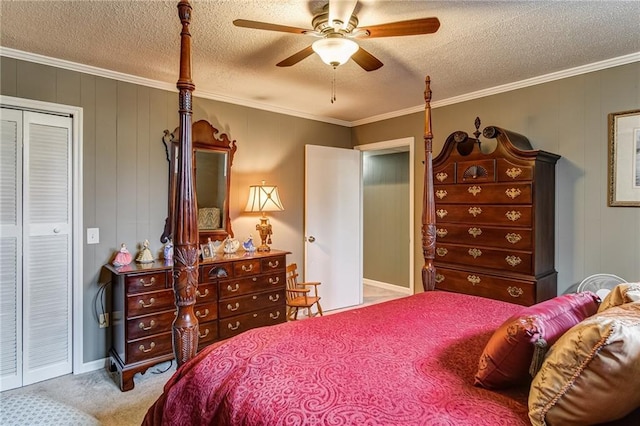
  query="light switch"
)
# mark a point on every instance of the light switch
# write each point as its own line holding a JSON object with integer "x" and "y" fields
{"x": 93, "y": 235}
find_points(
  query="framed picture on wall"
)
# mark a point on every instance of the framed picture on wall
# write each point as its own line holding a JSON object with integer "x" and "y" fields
{"x": 624, "y": 159}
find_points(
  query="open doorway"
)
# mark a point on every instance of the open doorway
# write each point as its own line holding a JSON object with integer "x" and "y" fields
{"x": 388, "y": 219}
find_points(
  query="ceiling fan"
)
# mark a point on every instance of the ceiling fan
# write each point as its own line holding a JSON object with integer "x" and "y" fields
{"x": 336, "y": 27}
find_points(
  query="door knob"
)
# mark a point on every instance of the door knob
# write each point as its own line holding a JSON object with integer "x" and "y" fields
{"x": 311, "y": 239}
{"x": 56, "y": 230}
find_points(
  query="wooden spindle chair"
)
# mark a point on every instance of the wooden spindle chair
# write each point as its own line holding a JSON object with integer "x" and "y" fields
{"x": 298, "y": 295}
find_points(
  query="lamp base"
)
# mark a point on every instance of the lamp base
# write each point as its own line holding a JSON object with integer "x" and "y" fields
{"x": 264, "y": 228}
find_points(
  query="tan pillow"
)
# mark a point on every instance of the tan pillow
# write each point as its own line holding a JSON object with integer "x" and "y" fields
{"x": 592, "y": 373}
{"x": 621, "y": 294}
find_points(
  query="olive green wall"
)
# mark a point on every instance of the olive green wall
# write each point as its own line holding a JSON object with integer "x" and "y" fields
{"x": 125, "y": 168}
{"x": 567, "y": 117}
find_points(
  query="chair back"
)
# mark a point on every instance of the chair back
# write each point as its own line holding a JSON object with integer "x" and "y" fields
{"x": 292, "y": 280}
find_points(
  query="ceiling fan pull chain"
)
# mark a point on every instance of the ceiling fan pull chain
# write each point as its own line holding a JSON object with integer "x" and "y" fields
{"x": 333, "y": 86}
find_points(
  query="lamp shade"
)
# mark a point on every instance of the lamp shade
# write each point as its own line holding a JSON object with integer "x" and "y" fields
{"x": 335, "y": 50}
{"x": 263, "y": 198}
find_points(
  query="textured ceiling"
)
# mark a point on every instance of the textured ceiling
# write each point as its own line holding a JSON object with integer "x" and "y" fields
{"x": 480, "y": 45}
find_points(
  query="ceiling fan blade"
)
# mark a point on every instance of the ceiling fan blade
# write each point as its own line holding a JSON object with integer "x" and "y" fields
{"x": 366, "y": 60}
{"x": 404, "y": 28}
{"x": 269, "y": 27}
{"x": 296, "y": 57}
{"x": 341, "y": 10}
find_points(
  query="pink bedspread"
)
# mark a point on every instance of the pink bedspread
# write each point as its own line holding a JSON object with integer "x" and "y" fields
{"x": 409, "y": 361}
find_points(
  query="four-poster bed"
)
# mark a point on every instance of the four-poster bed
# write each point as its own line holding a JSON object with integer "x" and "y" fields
{"x": 408, "y": 361}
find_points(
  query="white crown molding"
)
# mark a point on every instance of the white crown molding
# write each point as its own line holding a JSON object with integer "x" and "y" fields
{"x": 559, "y": 75}
{"x": 101, "y": 72}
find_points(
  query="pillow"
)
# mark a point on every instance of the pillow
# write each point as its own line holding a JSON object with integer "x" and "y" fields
{"x": 592, "y": 373}
{"x": 209, "y": 218}
{"x": 621, "y": 294}
{"x": 507, "y": 357}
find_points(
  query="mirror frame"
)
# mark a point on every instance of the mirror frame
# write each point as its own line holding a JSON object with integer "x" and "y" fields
{"x": 204, "y": 139}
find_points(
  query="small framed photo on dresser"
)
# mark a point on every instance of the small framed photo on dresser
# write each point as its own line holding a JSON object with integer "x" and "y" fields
{"x": 624, "y": 159}
{"x": 207, "y": 253}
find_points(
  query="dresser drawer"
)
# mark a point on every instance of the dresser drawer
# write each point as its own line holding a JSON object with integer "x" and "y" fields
{"x": 206, "y": 311}
{"x": 445, "y": 174}
{"x": 244, "y": 304}
{"x": 274, "y": 264}
{"x": 487, "y": 193}
{"x": 478, "y": 214}
{"x": 207, "y": 333}
{"x": 243, "y": 286}
{"x": 510, "y": 172}
{"x": 207, "y": 293}
{"x": 246, "y": 267}
{"x": 150, "y": 324}
{"x": 514, "y": 291}
{"x": 151, "y": 302}
{"x": 146, "y": 282}
{"x": 235, "y": 325}
{"x": 210, "y": 273}
{"x": 489, "y": 236}
{"x": 485, "y": 257}
{"x": 149, "y": 347}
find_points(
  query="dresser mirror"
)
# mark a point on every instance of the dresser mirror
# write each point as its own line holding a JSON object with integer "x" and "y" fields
{"x": 212, "y": 159}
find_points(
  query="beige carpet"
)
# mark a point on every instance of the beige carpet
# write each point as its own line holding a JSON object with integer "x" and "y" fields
{"x": 96, "y": 393}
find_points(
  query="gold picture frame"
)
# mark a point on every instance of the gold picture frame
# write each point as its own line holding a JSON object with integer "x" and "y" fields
{"x": 624, "y": 159}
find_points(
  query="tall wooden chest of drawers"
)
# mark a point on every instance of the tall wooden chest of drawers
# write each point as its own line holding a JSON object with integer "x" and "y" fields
{"x": 236, "y": 292}
{"x": 495, "y": 217}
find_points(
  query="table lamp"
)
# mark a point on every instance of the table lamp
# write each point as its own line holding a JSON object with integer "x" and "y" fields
{"x": 264, "y": 198}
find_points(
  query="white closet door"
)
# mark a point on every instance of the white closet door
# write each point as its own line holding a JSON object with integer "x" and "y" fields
{"x": 10, "y": 249}
{"x": 47, "y": 247}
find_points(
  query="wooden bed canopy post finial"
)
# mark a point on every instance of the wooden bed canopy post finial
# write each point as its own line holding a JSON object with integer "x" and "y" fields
{"x": 185, "y": 226}
{"x": 428, "y": 200}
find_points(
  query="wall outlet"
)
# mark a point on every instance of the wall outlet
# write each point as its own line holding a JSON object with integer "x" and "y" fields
{"x": 104, "y": 320}
{"x": 93, "y": 235}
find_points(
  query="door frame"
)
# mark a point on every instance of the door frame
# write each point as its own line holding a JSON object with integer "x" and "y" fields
{"x": 76, "y": 114}
{"x": 391, "y": 146}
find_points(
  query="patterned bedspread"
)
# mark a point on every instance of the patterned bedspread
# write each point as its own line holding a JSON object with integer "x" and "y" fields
{"x": 409, "y": 361}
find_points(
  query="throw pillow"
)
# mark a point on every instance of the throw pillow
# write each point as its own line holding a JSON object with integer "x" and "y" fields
{"x": 592, "y": 373}
{"x": 621, "y": 294}
{"x": 508, "y": 356}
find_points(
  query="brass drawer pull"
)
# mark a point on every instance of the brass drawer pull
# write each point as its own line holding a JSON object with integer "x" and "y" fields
{"x": 475, "y": 232}
{"x": 201, "y": 314}
{"x": 442, "y": 251}
{"x": 513, "y": 238}
{"x": 274, "y": 298}
{"x": 276, "y": 316}
{"x": 151, "y": 282}
{"x": 151, "y": 346}
{"x": 152, "y": 323}
{"x": 231, "y": 327}
{"x": 442, "y": 232}
{"x": 246, "y": 268}
{"x": 513, "y": 215}
{"x": 439, "y": 278}
{"x": 234, "y": 288}
{"x": 274, "y": 264}
{"x": 515, "y": 291}
{"x": 206, "y": 293}
{"x": 514, "y": 172}
{"x": 231, "y": 308}
{"x": 272, "y": 281}
{"x": 513, "y": 193}
{"x": 513, "y": 260}
{"x": 441, "y": 213}
{"x": 206, "y": 333}
{"x": 441, "y": 193}
{"x": 473, "y": 279}
{"x": 151, "y": 302}
{"x": 475, "y": 211}
{"x": 475, "y": 253}
{"x": 442, "y": 176}
{"x": 474, "y": 190}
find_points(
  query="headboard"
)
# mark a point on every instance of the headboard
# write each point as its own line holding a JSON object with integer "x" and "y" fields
{"x": 185, "y": 226}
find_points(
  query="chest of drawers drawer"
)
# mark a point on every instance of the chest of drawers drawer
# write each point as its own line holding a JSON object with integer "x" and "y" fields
{"x": 243, "y": 304}
{"x": 243, "y": 286}
{"x": 497, "y": 193}
{"x": 150, "y": 324}
{"x": 149, "y": 347}
{"x": 479, "y": 284}
{"x": 237, "y": 324}
{"x": 480, "y": 214}
{"x": 150, "y": 302}
{"x": 490, "y": 236}
{"x": 505, "y": 260}
{"x": 146, "y": 282}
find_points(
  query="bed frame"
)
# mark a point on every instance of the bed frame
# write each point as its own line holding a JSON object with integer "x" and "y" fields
{"x": 185, "y": 224}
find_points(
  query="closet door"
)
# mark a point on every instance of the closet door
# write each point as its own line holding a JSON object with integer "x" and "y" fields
{"x": 10, "y": 249}
{"x": 47, "y": 247}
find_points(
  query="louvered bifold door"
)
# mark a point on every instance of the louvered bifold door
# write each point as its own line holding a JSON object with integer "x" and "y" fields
{"x": 47, "y": 271}
{"x": 10, "y": 249}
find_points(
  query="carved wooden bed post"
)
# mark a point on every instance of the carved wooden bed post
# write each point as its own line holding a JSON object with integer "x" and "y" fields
{"x": 185, "y": 226}
{"x": 428, "y": 201}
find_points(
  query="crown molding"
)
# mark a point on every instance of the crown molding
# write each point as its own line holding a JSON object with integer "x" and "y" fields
{"x": 101, "y": 72}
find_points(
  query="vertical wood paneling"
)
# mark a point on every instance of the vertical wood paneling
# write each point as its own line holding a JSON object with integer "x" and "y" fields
{"x": 36, "y": 81}
{"x": 67, "y": 87}
{"x": 8, "y": 77}
{"x": 143, "y": 179}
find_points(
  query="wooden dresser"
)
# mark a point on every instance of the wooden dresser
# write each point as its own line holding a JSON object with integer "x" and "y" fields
{"x": 236, "y": 292}
{"x": 495, "y": 217}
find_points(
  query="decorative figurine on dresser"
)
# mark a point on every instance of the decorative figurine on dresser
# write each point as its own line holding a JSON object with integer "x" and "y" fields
{"x": 495, "y": 217}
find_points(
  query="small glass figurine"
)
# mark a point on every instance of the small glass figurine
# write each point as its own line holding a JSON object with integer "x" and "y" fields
{"x": 248, "y": 244}
{"x": 145, "y": 255}
{"x": 123, "y": 257}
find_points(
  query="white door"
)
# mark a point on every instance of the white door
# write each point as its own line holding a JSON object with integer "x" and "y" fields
{"x": 333, "y": 224}
{"x": 43, "y": 294}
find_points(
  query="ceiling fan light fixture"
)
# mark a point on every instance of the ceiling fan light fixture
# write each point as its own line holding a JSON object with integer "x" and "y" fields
{"x": 335, "y": 51}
